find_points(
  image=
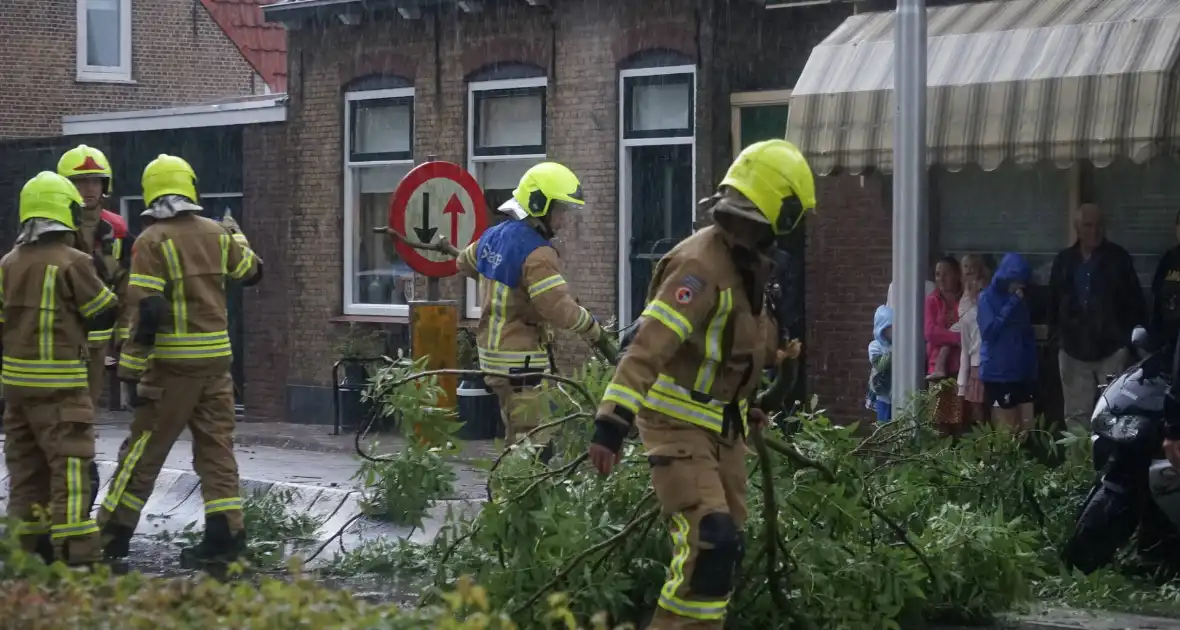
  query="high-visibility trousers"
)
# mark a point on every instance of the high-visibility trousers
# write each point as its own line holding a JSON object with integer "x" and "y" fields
{"x": 49, "y": 451}
{"x": 167, "y": 404}
{"x": 521, "y": 402}
{"x": 97, "y": 369}
{"x": 699, "y": 478}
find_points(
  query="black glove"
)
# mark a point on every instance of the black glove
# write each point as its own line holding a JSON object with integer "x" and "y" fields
{"x": 606, "y": 347}
{"x": 1172, "y": 415}
{"x": 608, "y": 433}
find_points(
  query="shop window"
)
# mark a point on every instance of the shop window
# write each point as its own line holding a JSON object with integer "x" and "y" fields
{"x": 379, "y": 132}
{"x": 1011, "y": 209}
{"x": 656, "y": 172}
{"x": 1139, "y": 203}
{"x": 104, "y": 40}
{"x": 506, "y": 136}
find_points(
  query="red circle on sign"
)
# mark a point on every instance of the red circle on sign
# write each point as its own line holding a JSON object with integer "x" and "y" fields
{"x": 400, "y": 202}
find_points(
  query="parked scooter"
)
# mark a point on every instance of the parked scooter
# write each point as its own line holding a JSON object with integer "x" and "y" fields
{"x": 1137, "y": 490}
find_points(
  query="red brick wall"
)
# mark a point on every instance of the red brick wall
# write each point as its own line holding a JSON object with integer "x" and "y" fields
{"x": 590, "y": 40}
{"x": 266, "y": 195}
{"x": 582, "y": 44}
{"x": 849, "y": 262}
{"x": 179, "y": 56}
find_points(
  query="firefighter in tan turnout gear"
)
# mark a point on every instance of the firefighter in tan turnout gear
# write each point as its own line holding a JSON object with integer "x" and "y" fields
{"x": 686, "y": 379}
{"x": 51, "y": 297}
{"x": 523, "y": 292}
{"x": 103, "y": 236}
{"x": 179, "y": 356}
{"x": 90, "y": 172}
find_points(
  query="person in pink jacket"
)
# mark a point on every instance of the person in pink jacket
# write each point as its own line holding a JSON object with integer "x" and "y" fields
{"x": 942, "y": 311}
{"x": 942, "y": 343}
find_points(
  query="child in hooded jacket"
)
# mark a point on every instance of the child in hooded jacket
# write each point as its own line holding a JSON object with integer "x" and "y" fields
{"x": 881, "y": 360}
{"x": 1008, "y": 349}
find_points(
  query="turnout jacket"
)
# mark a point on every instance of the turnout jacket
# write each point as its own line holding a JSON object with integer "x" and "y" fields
{"x": 522, "y": 293}
{"x": 179, "y": 318}
{"x": 104, "y": 236}
{"x": 51, "y": 294}
{"x": 702, "y": 340}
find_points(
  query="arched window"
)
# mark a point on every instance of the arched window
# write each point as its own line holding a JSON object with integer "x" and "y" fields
{"x": 505, "y": 134}
{"x": 378, "y": 152}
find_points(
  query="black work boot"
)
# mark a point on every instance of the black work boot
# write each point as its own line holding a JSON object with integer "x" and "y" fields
{"x": 116, "y": 541}
{"x": 220, "y": 546}
{"x": 44, "y": 548}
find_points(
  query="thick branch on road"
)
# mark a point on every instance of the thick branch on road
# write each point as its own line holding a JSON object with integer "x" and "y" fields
{"x": 440, "y": 244}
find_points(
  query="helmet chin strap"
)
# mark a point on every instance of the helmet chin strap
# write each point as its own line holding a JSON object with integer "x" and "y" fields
{"x": 541, "y": 224}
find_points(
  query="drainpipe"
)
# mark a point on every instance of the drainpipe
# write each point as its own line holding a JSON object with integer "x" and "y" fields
{"x": 910, "y": 212}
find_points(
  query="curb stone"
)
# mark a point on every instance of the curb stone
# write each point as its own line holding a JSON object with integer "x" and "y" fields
{"x": 1067, "y": 619}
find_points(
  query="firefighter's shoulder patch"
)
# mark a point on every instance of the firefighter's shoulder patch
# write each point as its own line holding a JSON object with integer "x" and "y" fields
{"x": 695, "y": 283}
{"x": 690, "y": 285}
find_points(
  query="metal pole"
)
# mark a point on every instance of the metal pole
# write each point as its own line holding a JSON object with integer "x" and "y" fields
{"x": 910, "y": 218}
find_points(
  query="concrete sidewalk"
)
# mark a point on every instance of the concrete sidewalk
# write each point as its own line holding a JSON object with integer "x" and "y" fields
{"x": 320, "y": 482}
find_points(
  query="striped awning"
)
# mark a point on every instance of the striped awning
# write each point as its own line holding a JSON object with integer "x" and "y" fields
{"x": 1021, "y": 80}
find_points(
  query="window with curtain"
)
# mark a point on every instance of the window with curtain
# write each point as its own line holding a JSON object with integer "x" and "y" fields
{"x": 379, "y": 153}
{"x": 1139, "y": 202}
{"x": 506, "y": 136}
{"x": 104, "y": 40}
{"x": 1011, "y": 209}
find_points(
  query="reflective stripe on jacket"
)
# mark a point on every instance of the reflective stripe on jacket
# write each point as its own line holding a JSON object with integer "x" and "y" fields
{"x": 186, "y": 259}
{"x": 103, "y": 235}
{"x": 519, "y": 305}
{"x": 48, "y": 290}
{"x": 703, "y": 338}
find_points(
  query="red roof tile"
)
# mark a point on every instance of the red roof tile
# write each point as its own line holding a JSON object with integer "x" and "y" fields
{"x": 262, "y": 43}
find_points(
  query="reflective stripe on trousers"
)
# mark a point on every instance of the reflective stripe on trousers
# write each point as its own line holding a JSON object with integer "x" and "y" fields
{"x": 681, "y": 549}
{"x": 78, "y": 521}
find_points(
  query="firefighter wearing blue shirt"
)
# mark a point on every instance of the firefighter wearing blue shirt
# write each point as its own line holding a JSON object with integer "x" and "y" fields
{"x": 523, "y": 293}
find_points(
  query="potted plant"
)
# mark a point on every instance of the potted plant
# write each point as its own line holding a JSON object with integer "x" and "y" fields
{"x": 479, "y": 409}
{"x": 355, "y": 344}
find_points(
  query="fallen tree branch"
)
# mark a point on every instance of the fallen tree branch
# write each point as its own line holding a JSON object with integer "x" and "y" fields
{"x": 440, "y": 577}
{"x": 440, "y": 245}
{"x": 578, "y": 559}
{"x": 563, "y": 472}
{"x": 799, "y": 459}
{"x": 523, "y": 438}
{"x": 770, "y": 523}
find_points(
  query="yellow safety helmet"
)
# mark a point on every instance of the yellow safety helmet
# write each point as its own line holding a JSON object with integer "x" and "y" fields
{"x": 775, "y": 177}
{"x": 168, "y": 175}
{"x": 50, "y": 196}
{"x": 545, "y": 183}
{"x": 85, "y": 161}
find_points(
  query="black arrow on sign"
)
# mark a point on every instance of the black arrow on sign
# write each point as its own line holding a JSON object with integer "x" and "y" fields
{"x": 425, "y": 233}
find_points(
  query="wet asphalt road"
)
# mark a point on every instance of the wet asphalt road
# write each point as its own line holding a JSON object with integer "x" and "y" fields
{"x": 158, "y": 558}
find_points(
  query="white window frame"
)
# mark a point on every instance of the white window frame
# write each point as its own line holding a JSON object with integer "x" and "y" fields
{"x": 105, "y": 74}
{"x": 472, "y": 309}
{"x": 125, "y": 213}
{"x": 739, "y": 101}
{"x": 625, "y": 146}
{"x": 350, "y": 213}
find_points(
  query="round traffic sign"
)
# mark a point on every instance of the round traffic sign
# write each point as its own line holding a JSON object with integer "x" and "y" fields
{"x": 437, "y": 198}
